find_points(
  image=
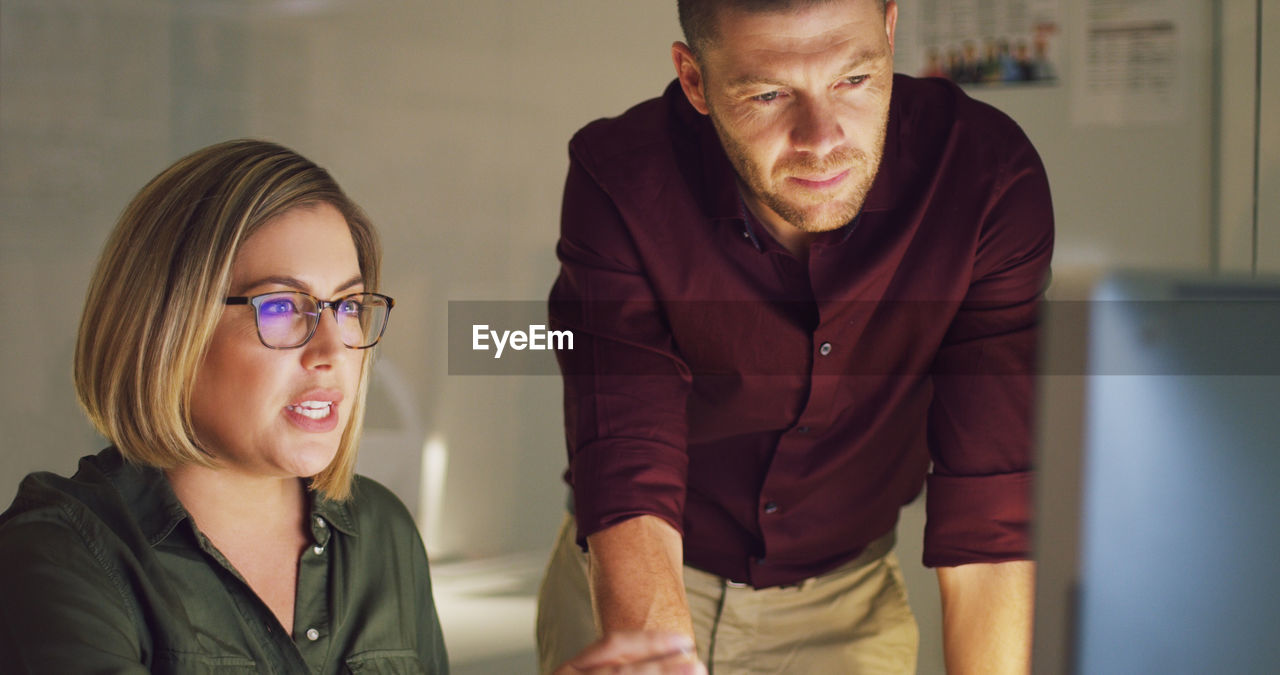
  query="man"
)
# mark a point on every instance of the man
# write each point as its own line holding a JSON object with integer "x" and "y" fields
{"x": 795, "y": 279}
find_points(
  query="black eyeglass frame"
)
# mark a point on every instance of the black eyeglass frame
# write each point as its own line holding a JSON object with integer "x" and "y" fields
{"x": 256, "y": 302}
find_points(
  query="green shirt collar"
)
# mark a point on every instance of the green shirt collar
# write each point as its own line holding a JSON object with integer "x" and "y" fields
{"x": 151, "y": 502}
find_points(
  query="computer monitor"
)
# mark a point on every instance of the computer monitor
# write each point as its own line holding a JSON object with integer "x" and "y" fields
{"x": 1158, "y": 479}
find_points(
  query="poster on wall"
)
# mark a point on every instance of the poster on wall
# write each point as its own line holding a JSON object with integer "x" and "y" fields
{"x": 990, "y": 43}
{"x": 1128, "y": 62}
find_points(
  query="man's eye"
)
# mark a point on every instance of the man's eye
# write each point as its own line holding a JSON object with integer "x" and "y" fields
{"x": 765, "y": 97}
{"x": 857, "y": 79}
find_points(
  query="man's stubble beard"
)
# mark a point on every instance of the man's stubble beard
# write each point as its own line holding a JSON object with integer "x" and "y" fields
{"x": 863, "y": 167}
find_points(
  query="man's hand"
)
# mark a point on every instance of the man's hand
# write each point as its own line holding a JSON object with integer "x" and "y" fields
{"x": 637, "y": 577}
{"x": 986, "y": 617}
{"x": 637, "y": 653}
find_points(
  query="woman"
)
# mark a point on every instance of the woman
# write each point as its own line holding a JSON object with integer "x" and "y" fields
{"x": 224, "y": 351}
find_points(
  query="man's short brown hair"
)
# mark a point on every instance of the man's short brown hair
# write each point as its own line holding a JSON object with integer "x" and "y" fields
{"x": 697, "y": 17}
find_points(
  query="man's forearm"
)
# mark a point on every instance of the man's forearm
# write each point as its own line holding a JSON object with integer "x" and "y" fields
{"x": 987, "y": 616}
{"x": 637, "y": 578}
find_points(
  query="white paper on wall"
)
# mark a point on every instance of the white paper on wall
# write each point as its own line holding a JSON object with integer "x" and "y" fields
{"x": 1129, "y": 63}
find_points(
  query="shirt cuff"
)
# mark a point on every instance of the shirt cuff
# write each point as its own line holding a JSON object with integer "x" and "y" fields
{"x": 977, "y": 519}
{"x": 621, "y": 479}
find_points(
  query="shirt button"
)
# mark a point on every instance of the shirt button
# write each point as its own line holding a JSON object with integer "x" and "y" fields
{"x": 770, "y": 507}
{"x": 320, "y": 522}
{"x": 318, "y": 550}
{"x": 825, "y": 348}
{"x": 802, "y": 430}
{"x": 759, "y": 561}
{"x": 313, "y": 634}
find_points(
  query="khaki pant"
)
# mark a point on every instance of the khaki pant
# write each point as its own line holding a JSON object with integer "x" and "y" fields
{"x": 852, "y": 620}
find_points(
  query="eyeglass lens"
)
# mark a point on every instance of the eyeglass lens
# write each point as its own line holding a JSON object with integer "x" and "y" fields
{"x": 288, "y": 319}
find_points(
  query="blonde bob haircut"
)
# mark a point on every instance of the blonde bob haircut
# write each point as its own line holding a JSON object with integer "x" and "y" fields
{"x": 159, "y": 288}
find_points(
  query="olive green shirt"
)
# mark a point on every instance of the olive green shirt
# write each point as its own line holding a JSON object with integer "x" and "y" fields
{"x": 105, "y": 572}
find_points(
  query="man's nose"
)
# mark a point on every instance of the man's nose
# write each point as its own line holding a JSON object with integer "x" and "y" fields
{"x": 816, "y": 127}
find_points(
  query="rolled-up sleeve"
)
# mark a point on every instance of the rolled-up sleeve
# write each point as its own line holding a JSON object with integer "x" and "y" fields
{"x": 980, "y": 420}
{"x": 625, "y": 385}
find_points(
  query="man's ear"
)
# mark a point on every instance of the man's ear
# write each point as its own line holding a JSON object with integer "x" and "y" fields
{"x": 890, "y": 21}
{"x": 690, "y": 75}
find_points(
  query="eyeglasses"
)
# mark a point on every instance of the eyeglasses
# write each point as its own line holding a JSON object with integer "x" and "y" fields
{"x": 288, "y": 319}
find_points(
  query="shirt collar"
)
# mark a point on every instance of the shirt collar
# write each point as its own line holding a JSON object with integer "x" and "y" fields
{"x": 337, "y": 514}
{"x": 146, "y": 494}
{"x": 150, "y": 499}
{"x": 752, "y": 225}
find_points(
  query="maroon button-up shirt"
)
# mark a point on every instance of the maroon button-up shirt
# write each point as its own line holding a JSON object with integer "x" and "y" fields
{"x": 779, "y": 414}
